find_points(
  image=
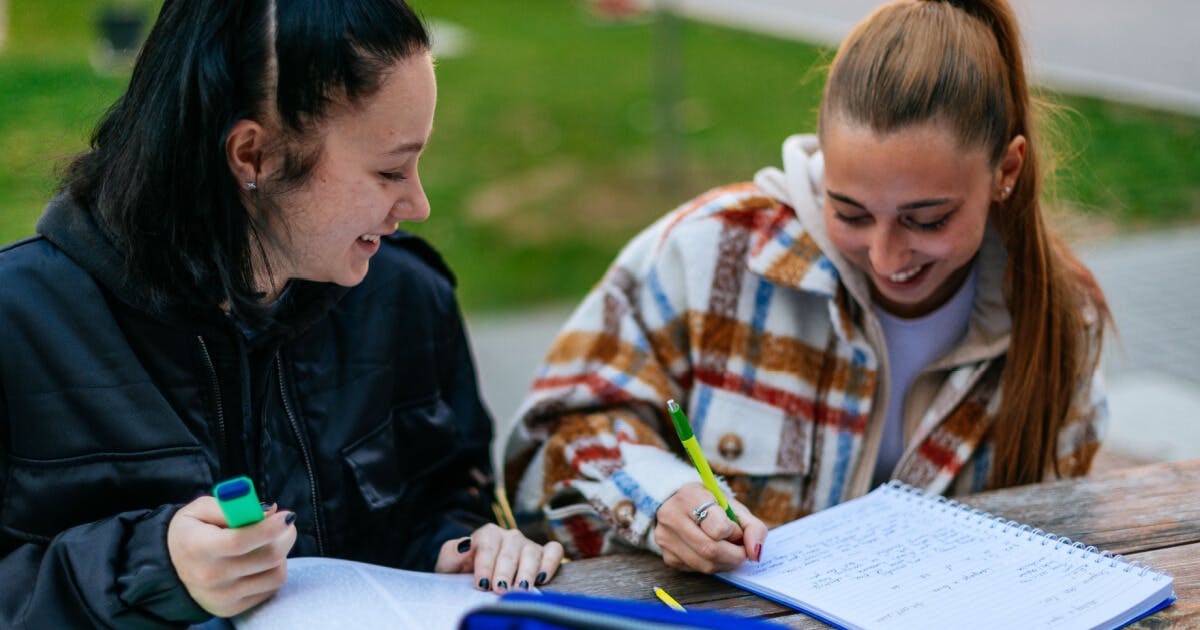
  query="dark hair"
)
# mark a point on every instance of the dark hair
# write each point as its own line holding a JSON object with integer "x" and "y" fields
{"x": 157, "y": 175}
{"x": 959, "y": 63}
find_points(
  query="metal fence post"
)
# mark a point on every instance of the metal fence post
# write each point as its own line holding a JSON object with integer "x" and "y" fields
{"x": 3, "y": 24}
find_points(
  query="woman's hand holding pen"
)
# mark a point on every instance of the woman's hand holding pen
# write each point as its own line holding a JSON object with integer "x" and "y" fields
{"x": 710, "y": 543}
{"x": 501, "y": 559}
{"x": 227, "y": 570}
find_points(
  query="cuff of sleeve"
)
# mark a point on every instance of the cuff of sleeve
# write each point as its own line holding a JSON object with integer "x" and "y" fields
{"x": 458, "y": 524}
{"x": 148, "y": 581}
{"x": 630, "y": 496}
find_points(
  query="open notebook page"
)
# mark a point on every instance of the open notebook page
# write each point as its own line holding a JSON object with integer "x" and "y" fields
{"x": 898, "y": 559}
{"x": 328, "y": 593}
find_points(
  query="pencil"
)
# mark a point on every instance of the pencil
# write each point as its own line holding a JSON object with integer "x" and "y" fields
{"x": 684, "y": 429}
{"x": 499, "y": 516}
{"x": 500, "y": 507}
{"x": 668, "y": 600}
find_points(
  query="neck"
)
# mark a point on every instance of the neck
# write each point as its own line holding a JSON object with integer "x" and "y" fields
{"x": 270, "y": 278}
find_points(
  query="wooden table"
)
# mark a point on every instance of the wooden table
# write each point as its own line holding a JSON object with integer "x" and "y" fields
{"x": 1150, "y": 514}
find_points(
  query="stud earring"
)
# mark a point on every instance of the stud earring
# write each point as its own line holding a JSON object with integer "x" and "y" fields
{"x": 1005, "y": 192}
{"x": 251, "y": 186}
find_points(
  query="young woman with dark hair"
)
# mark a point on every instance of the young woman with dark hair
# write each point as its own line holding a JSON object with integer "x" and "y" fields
{"x": 889, "y": 305}
{"x": 220, "y": 289}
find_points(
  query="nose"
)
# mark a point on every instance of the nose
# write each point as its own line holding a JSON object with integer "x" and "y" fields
{"x": 889, "y": 251}
{"x": 413, "y": 205}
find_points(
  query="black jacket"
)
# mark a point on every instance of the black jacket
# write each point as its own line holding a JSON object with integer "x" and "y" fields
{"x": 359, "y": 411}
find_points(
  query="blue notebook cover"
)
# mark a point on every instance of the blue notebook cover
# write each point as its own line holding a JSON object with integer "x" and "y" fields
{"x": 547, "y": 611}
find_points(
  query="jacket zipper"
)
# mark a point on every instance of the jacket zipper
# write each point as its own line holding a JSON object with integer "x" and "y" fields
{"x": 308, "y": 462}
{"x": 216, "y": 392}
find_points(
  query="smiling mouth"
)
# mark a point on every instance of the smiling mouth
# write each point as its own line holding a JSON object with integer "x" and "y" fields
{"x": 901, "y": 277}
{"x": 369, "y": 238}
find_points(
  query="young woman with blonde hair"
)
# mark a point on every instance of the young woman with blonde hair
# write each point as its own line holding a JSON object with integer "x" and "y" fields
{"x": 891, "y": 304}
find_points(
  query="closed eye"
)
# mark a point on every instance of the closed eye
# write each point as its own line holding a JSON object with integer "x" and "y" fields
{"x": 394, "y": 176}
{"x": 929, "y": 226}
{"x": 858, "y": 219}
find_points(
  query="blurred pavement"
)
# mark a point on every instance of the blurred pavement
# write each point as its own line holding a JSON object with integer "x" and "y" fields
{"x": 1139, "y": 52}
{"x": 1153, "y": 363}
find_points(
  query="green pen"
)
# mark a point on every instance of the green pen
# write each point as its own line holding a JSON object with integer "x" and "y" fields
{"x": 238, "y": 501}
{"x": 684, "y": 429}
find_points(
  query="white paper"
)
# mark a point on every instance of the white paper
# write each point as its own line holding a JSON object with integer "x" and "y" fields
{"x": 330, "y": 593}
{"x": 898, "y": 559}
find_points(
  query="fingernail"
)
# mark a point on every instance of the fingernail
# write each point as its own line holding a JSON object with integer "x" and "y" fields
{"x": 464, "y": 545}
{"x": 541, "y": 578}
{"x": 758, "y": 552}
{"x": 502, "y": 585}
{"x": 265, "y": 506}
{"x": 290, "y": 518}
{"x": 483, "y": 583}
{"x": 524, "y": 584}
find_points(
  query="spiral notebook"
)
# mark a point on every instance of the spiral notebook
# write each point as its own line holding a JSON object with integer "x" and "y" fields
{"x": 898, "y": 558}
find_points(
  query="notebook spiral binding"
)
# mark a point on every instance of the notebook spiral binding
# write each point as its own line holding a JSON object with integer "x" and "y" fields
{"x": 1031, "y": 533}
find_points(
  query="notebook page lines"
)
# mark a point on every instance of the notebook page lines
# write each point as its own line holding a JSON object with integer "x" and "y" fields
{"x": 906, "y": 561}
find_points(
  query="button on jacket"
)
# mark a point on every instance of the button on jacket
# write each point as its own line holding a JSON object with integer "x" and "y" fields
{"x": 358, "y": 410}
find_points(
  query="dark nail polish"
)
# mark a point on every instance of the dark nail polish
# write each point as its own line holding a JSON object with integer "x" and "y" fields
{"x": 483, "y": 583}
{"x": 758, "y": 552}
{"x": 524, "y": 584}
{"x": 265, "y": 506}
{"x": 502, "y": 585}
{"x": 290, "y": 518}
{"x": 464, "y": 545}
{"x": 541, "y": 579}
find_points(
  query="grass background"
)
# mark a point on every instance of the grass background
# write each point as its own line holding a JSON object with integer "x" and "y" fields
{"x": 544, "y": 156}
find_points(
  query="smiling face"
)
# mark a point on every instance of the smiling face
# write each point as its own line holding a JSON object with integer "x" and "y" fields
{"x": 909, "y": 208}
{"x": 364, "y": 183}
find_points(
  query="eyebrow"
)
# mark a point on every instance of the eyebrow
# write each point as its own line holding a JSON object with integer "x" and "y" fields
{"x": 408, "y": 147}
{"x": 915, "y": 205}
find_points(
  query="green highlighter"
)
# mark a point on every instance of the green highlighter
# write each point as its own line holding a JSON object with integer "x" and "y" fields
{"x": 684, "y": 429}
{"x": 238, "y": 501}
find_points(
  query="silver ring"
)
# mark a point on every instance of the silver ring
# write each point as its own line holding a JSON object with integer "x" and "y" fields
{"x": 701, "y": 512}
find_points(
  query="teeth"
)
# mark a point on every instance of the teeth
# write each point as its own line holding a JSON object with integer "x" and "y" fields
{"x": 905, "y": 276}
{"x": 370, "y": 238}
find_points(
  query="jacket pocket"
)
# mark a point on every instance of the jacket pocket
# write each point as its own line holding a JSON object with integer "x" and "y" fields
{"x": 410, "y": 444}
{"x": 45, "y": 497}
{"x": 742, "y": 435}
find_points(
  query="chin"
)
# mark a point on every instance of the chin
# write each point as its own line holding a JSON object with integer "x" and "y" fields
{"x": 349, "y": 278}
{"x": 350, "y": 282}
{"x": 357, "y": 277}
{"x": 916, "y": 306}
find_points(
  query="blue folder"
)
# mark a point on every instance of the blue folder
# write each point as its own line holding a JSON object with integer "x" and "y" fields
{"x": 551, "y": 611}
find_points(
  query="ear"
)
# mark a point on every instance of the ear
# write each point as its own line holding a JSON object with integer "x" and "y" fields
{"x": 244, "y": 148}
{"x": 1009, "y": 168}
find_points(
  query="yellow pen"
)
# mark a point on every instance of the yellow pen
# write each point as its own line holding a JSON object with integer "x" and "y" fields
{"x": 668, "y": 600}
{"x": 500, "y": 507}
{"x": 684, "y": 429}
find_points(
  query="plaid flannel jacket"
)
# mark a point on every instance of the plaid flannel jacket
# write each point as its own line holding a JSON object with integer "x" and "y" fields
{"x": 733, "y": 307}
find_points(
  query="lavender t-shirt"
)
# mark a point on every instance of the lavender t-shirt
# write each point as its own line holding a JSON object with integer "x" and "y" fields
{"x": 912, "y": 344}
